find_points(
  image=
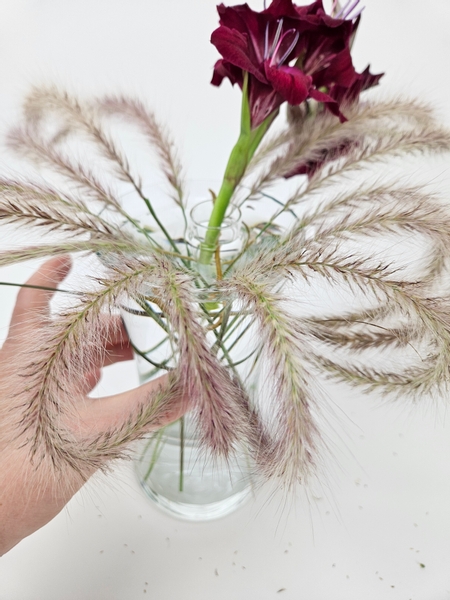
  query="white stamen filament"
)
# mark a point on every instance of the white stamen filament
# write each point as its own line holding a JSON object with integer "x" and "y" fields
{"x": 345, "y": 10}
{"x": 266, "y": 42}
{"x": 291, "y": 47}
{"x": 277, "y": 37}
{"x": 356, "y": 14}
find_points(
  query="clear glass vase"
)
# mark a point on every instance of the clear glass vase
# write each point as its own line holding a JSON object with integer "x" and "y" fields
{"x": 181, "y": 477}
{"x": 175, "y": 470}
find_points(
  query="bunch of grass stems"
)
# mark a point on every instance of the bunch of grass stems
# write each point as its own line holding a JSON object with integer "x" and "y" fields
{"x": 322, "y": 234}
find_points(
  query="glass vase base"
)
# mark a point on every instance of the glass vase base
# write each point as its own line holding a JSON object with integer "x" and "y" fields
{"x": 198, "y": 512}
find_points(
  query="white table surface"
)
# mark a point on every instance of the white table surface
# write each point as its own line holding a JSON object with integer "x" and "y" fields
{"x": 377, "y": 524}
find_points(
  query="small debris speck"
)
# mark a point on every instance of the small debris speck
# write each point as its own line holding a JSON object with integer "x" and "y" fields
{"x": 235, "y": 552}
{"x": 139, "y": 516}
{"x": 392, "y": 586}
{"x": 101, "y": 551}
{"x": 99, "y": 516}
{"x": 380, "y": 578}
{"x": 333, "y": 565}
{"x": 415, "y": 524}
{"x": 125, "y": 545}
{"x": 395, "y": 454}
{"x": 243, "y": 567}
{"x": 216, "y": 572}
{"x": 233, "y": 564}
{"x": 347, "y": 576}
{"x": 360, "y": 507}
{"x": 281, "y": 590}
{"x": 145, "y": 591}
{"x": 422, "y": 566}
{"x": 328, "y": 512}
{"x": 146, "y": 582}
{"x": 286, "y": 551}
{"x": 133, "y": 552}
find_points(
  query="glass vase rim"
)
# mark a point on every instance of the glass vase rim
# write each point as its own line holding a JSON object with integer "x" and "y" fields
{"x": 233, "y": 215}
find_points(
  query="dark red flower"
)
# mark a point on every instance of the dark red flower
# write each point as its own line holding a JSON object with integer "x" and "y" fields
{"x": 345, "y": 97}
{"x": 290, "y": 52}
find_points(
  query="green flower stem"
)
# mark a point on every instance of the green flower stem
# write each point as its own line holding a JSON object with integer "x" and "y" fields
{"x": 40, "y": 287}
{"x": 240, "y": 157}
{"x": 160, "y": 366}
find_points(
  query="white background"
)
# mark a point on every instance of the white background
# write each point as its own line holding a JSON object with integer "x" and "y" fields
{"x": 382, "y": 510}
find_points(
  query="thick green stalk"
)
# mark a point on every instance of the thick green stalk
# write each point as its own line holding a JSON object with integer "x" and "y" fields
{"x": 240, "y": 157}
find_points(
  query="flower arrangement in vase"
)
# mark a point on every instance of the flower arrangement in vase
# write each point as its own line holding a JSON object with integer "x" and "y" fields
{"x": 233, "y": 302}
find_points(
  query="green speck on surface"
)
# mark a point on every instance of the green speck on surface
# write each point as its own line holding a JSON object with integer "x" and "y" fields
{"x": 422, "y": 566}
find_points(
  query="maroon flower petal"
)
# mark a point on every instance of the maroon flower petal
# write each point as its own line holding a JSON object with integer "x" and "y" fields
{"x": 340, "y": 71}
{"x": 330, "y": 103}
{"x": 223, "y": 69}
{"x": 233, "y": 46}
{"x": 282, "y": 8}
{"x": 263, "y": 100}
{"x": 246, "y": 21}
{"x": 265, "y": 44}
{"x": 291, "y": 83}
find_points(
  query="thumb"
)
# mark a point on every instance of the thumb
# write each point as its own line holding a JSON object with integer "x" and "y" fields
{"x": 111, "y": 412}
{"x": 31, "y": 304}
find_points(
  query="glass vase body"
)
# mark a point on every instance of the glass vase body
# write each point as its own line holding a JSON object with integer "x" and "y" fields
{"x": 179, "y": 474}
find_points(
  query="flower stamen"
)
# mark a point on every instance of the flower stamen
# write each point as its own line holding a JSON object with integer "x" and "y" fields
{"x": 347, "y": 9}
{"x": 291, "y": 47}
{"x": 276, "y": 38}
{"x": 266, "y": 42}
{"x": 357, "y": 13}
{"x": 333, "y": 8}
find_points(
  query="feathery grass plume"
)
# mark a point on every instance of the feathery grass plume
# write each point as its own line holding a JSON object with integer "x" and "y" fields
{"x": 220, "y": 400}
{"x": 381, "y": 210}
{"x": 92, "y": 246}
{"x": 412, "y": 381}
{"x": 389, "y": 308}
{"x": 322, "y": 139}
{"x": 291, "y": 437}
{"x": 419, "y": 141}
{"x": 79, "y": 117}
{"x": 376, "y": 282}
{"x": 134, "y": 111}
{"x": 381, "y": 327}
{"x": 34, "y": 204}
{"x": 68, "y": 348}
{"x": 29, "y": 142}
{"x": 382, "y": 337}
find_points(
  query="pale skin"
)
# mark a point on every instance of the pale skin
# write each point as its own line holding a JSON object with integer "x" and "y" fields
{"x": 29, "y": 499}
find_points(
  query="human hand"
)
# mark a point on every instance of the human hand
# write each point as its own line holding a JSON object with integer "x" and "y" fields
{"x": 32, "y": 492}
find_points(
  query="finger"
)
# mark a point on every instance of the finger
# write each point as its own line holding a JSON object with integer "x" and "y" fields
{"x": 115, "y": 345}
{"x": 118, "y": 353}
{"x": 102, "y": 414}
{"x": 35, "y": 302}
{"x": 90, "y": 381}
